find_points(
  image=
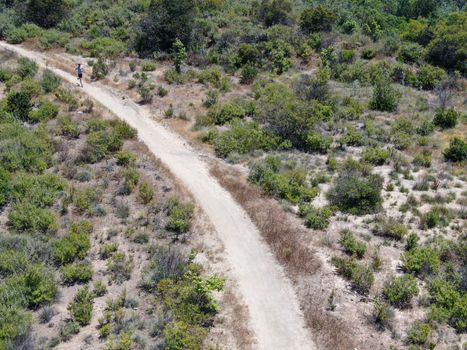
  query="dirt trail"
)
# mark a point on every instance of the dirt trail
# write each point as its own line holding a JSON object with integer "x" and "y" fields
{"x": 273, "y": 306}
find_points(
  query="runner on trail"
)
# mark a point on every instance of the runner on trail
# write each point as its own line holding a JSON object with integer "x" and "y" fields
{"x": 80, "y": 72}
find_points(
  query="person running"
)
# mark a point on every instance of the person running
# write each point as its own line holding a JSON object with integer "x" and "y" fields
{"x": 80, "y": 72}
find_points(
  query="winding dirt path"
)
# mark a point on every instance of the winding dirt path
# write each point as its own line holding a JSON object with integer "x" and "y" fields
{"x": 273, "y": 306}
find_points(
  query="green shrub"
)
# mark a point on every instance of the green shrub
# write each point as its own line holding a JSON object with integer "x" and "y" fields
{"x": 131, "y": 84}
{"x": 422, "y": 261}
{"x": 100, "y": 69}
{"x": 83, "y": 199}
{"x": 316, "y": 218}
{"x": 46, "y": 111}
{"x": 385, "y": 97}
{"x": 67, "y": 329}
{"x": 437, "y": 216}
{"x": 26, "y": 217}
{"x": 67, "y": 97}
{"x": 402, "y": 140}
{"x": 101, "y": 144}
{"x": 162, "y": 92}
{"x": 171, "y": 76}
{"x": 429, "y": 77}
{"x": 212, "y": 98}
{"x": 5, "y": 186}
{"x": 5, "y": 74}
{"x": 81, "y": 307}
{"x": 411, "y": 53}
{"x": 317, "y": 19}
{"x": 102, "y": 47}
{"x": 66, "y": 127}
{"x": 73, "y": 246}
{"x": 24, "y": 149}
{"x": 419, "y": 333}
{"x": 227, "y": 112}
{"x": 318, "y": 142}
{"x": 49, "y": 82}
{"x": 131, "y": 176}
{"x": 146, "y": 94}
{"x": 39, "y": 190}
{"x": 457, "y": 150}
{"x": 17, "y": 35}
{"x": 243, "y": 138}
{"x": 446, "y": 118}
{"x": 96, "y": 125}
{"x": 179, "y": 335}
{"x": 351, "y": 245}
{"x": 148, "y": 66}
{"x": 426, "y": 128}
{"x": 36, "y": 286}
{"x": 31, "y": 87}
{"x": 179, "y": 216}
{"x": 448, "y": 303}
{"x": 53, "y": 39}
{"x": 273, "y": 12}
{"x": 412, "y": 241}
{"x": 423, "y": 159}
{"x": 248, "y": 74}
{"x": 123, "y": 130}
{"x": 376, "y": 155}
{"x": 399, "y": 291}
{"x": 391, "y": 228}
{"x": 291, "y": 185}
{"x": 382, "y": 314}
{"x": 125, "y": 158}
{"x": 107, "y": 250}
{"x": 356, "y": 190}
{"x": 311, "y": 88}
{"x": 76, "y": 273}
{"x": 447, "y": 49}
{"x": 13, "y": 262}
{"x": 15, "y": 323}
{"x": 352, "y": 137}
{"x": 146, "y": 192}
{"x": 361, "y": 277}
{"x": 189, "y": 300}
{"x": 368, "y": 53}
{"x": 99, "y": 288}
{"x": 19, "y": 104}
{"x": 120, "y": 267}
{"x": 26, "y": 68}
{"x": 247, "y": 55}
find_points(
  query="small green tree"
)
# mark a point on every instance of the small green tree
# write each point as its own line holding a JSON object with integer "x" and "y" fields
{"x": 46, "y": 13}
{"x": 19, "y": 104}
{"x": 399, "y": 291}
{"x": 446, "y": 118}
{"x": 317, "y": 19}
{"x": 457, "y": 150}
{"x": 81, "y": 307}
{"x": 179, "y": 54}
{"x": 385, "y": 97}
{"x": 356, "y": 190}
{"x": 272, "y": 12}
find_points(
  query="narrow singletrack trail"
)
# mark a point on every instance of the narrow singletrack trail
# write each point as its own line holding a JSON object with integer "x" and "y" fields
{"x": 274, "y": 311}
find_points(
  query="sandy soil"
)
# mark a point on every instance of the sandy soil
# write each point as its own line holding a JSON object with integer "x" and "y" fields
{"x": 273, "y": 306}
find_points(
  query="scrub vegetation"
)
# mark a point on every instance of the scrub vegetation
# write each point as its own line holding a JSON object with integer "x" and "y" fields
{"x": 346, "y": 117}
{"x": 84, "y": 222}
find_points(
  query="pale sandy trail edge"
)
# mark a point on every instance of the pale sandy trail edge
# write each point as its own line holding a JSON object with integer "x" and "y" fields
{"x": 275, "y": 315}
